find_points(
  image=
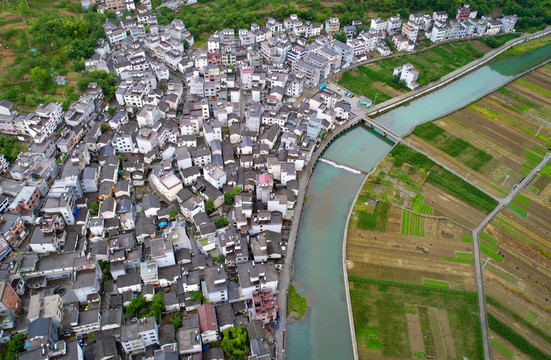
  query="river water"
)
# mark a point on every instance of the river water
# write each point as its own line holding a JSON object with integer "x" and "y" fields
{"x": 324, "y": 332}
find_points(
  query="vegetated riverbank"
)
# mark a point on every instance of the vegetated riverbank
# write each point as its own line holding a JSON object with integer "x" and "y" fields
{"x": 297, "y": 304}
{"x": 527, "y": 46}
{"x": 376, "y": 78}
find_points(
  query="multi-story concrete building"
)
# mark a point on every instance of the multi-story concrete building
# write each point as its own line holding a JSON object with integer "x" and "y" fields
{"x": 332, "y": 26}
{"x": 394, "y": 24}
{"x": 9, "y": 300}
{"x": 410, "y": 30}
{"x": 466, "y": 12}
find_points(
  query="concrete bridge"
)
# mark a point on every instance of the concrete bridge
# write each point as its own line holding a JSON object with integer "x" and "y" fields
{"x": 382, "y": 129}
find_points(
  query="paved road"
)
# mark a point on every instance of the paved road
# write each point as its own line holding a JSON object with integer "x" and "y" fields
{"x": 478, "y": 258}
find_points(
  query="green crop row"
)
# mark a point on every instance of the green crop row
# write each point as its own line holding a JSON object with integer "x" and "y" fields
{"x": 488, "y": 238}
{"x": 464, "y": 261}
{"x": 517, "y": 340}
{"x": 522, "y": 201}
{"x": 502, "y": 308}
{"x": 437, "y": 283}
{"x": 428, "y": 131}
{"x": 471, "y": 296}
{"x": 518, "y": 209}
{"x": 538, "y": 150}
{"x": 490, "y": 251}
{"x": 533, "y": 157}
{"x": 502, "y": 348}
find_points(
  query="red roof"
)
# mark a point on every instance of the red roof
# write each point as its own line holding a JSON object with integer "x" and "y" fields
{"x": 206, "y": 318}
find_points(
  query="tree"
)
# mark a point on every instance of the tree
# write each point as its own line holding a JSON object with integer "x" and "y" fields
{"x": 196, "y": 296}
{"x": 340, "y": 36}
{"x": 186, "y": 44}
{"x": 41, "y": 79}
{"x": 136, "y": 305}
{"x": 104, "y": 127}
{"x": 229, "y": 197}
{"x": 221, "y": 222}
{"x": 172, "y": 214}
{"x": 10, "y": 147}
{"x": 94, "y": 207}
{"x": 177, "y": 321}
{"x": 23, "y": 8}
{"x": 237, "y": 190}
{"x": 221, "y": 259}
{"x": 78, "y": 65}
{"x": 209, "y": 206}
{"x": 15, "y": 346}
{"x": 158, "y": 305}
{"x": 110, "y": 110}
{"x": 107, "y": 81}
{"x": 492, "y": 42}
{"x": 235, "y": 343}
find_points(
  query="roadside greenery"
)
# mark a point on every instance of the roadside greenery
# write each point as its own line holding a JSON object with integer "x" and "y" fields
{"x": 296, "y": 303}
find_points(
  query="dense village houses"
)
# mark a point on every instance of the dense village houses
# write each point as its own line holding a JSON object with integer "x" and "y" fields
{"x": 183, "y": 186}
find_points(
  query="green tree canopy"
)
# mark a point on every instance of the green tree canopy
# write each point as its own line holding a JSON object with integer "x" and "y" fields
{"x": 196, "y": 296}
{"x": 41, "y": 79}
{"x": 209, "y": 206}
{"x": 136, "y": 305}
{"x": 10, "y": 147}
{"x": 107, "y": 81}
{"x": 176, "y": 321}
{"x": 158, "y": 305}
{"x": 229, "y": 197}
{"x": 235, "y": 343}
{"x": 221, "y": 222}
{"x": 173, "y": 213}
{"x": 104, "y": 127}
{"x": 94, "y": 207}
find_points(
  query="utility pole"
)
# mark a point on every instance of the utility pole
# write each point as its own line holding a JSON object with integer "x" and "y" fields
{"x": 506, "y": 177}
{"x": 538, "y": 131}
{"x": 376, "y": 94}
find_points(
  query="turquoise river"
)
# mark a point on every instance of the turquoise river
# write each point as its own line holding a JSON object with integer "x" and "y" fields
{"x": 324, "y": 332}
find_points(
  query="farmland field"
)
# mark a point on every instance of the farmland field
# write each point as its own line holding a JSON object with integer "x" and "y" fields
{"x": 401, "y": 320}
{"x": 518, "y": 277}
{"x": 432, "y": 64}
{"x": 497, "y": 140}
